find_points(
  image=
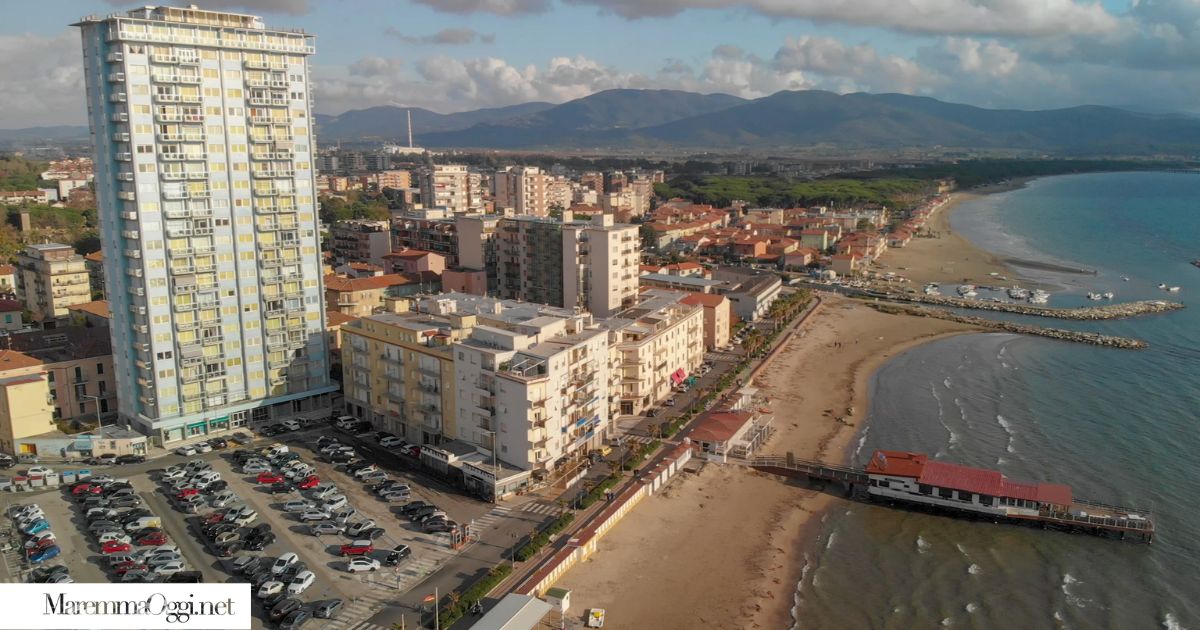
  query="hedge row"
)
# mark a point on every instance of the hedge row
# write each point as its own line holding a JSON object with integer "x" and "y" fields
{"x": 452, "y": 612}
{"x": 639, "y": 454}
{"x": 529, "y": 549}
{"x": 595, "y": 493}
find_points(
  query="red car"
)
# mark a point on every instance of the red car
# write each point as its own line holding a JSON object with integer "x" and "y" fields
{"x": 186, "y": 492}
{"x": 353, "y": 549}
{"x": 45, "y": 543}
{"x": 153, "y": 539}
{"x": 125, "y": 567}
{"x": 214, "y": 518}
{"x": 113, "y": 546}
{"x": 311, "y": 481}
{"x": 269, "y": 477}
{"x": 86, "y": 489}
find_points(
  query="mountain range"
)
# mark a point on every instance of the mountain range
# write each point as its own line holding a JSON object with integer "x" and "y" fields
{"x": 657, "y": 119}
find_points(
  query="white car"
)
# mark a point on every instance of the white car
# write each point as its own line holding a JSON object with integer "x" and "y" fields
{"x": 40, "y": 470}
{"x": 362, "y": 472}
{"x": 17, "y": 511}
{"x": 362, "y": 563}
{"x": 391, "y": 441}
{"x": 204, "y": 447}
{"x": 114, "y": 537}
{"x": 186, "y": 451}
{"x": 334, "y": 502}
{"x": 173, "y": 472}
{"x": 224, "y": 498}
{"x": 245, "y": 518}
{"x": 284, "y": 561}
{"x": 324, "y": 491}
{"x": 169, "y": 568}
{"x": 270, "y": 588}
{"x": 301, "y": 582}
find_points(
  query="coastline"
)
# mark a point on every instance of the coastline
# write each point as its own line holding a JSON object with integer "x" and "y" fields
{"x": 647, "y": 575}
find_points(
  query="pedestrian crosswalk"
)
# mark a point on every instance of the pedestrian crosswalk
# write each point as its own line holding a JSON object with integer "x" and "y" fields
{"x": 366, "y": 625}
{"x": 485, "y": 522}
{"x": 358, "y": 610}
{"x": 539, "y": 508}
{"x": 638, "y": 439}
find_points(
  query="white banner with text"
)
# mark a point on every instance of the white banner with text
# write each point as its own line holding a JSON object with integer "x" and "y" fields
{"x": 125, "y": 606}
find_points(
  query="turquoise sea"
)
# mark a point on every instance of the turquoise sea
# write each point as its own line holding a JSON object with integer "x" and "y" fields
{"x": 1118, "y": 426}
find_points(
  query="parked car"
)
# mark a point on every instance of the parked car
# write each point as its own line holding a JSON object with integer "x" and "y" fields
{"x": 374, "y": 477}
{"x": 357, "y": 548}
{"x": 153, "y": 539}
{"x": 268, "y": 478}
{"x": 270, "y": 588}
{"x": 295, "y": 620}
{"x": 245, "y": 518}
{"x": 131, "y": 458}
{"x": 335, "y": 502}
{"x": 282, "y": 608}
{"x": 37, "y": 538}
{"x": 362, "y": 563}
{"x": 328, "y": 609}
{"x": 354, "y": 529}
{"x": 185, "y": 577}
{"x": 252, "y": 468}
{"x": 324, "y": 527}
{"x": 439, "y": 526}
{"x": 186, "y": 451}
{"x": 396, "y": 497}
{"x": 309, "y": 482}
{"x": 223, "y": 498}
{"x": 168, "y": 568}
{"x": 42, "y": 574}
{"x": 428, "y": 516}
{"x": 391, "y": 442}
{"x": 113, "y": 536}
{"x": 315, "y": 515}
{"x": 372, "y": 533}
{"x": 301, "y": 582}
{"x": 413, "y": 507}
{"x": 39, "y": 471}
{"x": 37, "y": 525}
{"x": 283, "y": 562}
{"x": 281, "y": 487}
{"x": 110, "y": 548}
{"x": 258, "y": 542}
{"x": 246, "y": 564}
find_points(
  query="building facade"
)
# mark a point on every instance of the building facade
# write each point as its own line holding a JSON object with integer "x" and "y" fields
{"x": 205, "y": 184}
{"x": 50, "y": 278}
{"x": 655, "y": 347}
{"x": 360, "y": 241}
{"x": 451, "y": 186}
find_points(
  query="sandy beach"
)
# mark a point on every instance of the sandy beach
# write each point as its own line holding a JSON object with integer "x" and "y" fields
{"x": 947, "y": 257}
{"x": 723, "y": 548}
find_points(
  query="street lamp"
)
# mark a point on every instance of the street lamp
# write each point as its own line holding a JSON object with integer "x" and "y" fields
{"x": 99, "y": 422}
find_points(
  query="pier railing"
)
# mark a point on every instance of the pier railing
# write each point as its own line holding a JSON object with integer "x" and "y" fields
{"x": 810, "y": 468}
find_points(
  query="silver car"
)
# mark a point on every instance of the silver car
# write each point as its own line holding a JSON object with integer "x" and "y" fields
{"x": 324, "y": 528}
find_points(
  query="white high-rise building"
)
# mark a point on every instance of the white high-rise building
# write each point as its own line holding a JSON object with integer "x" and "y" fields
{"x": 202, "y": 129}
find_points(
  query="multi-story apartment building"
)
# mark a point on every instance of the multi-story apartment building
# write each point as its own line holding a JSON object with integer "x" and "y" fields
{"x": 202, "y": 123}
{"x": 428, "y": 230}
{"x": 524, "y": 386}
{"x": 656, "y": 345}
{"x": 590, "y": 265}
{"x": 522, "y": 188}
{"x": 398, "y": 372}
{"x": 476, "y": 238}
{"x": 78, "y": 364}
{"x": 451, "y": 186}
{"x": 360, "y": 241}
{"x": 50, "y": 278}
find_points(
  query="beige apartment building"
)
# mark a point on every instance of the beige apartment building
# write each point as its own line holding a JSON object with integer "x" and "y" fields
{"x": 25, "y": 409}
{"x": 51, "y": 277}
{"x": 525, "y": 189}
{"x": 360, "y": 241}
{"x": 718, "y": 317}
{"x": 589, "y": 265}
{"x": 654, "y": 347}
{"x": 451, "y": 186}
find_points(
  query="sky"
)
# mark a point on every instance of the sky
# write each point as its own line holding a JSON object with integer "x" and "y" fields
{"x": 456, "y": 55}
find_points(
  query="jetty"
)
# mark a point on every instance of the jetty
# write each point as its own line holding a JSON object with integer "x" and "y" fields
{"x": 1076, "y": 336}
{"x": 1084, "y": 313}
{"x": 915, "y": 481}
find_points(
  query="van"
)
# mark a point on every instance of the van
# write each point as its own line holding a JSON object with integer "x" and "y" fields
{"x": 143, "y": 522}
{"x": 345, "y": 423}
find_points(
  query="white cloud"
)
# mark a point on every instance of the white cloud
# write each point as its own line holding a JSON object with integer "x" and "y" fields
{"x": 859, "y": 66}
{"x": 958, "y": 17}
{"x": 446, "y": 36}
{"x": 990, "y": 58}
{"x": 42, "y": 79}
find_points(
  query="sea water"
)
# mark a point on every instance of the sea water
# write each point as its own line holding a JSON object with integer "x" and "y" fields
{"x": 1118, "y": 426}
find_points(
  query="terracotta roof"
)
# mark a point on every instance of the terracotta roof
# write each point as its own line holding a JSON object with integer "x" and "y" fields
{"x": 709, "y": 300}
{"x": 97, "y": 307}
{"x": 95, "y": 257}
{"x": 7, "y": 270}
{"x": 342, "y": 283}
{"x": 720, "y": 426}
{"x": 362, "y": 266}
{"x": 11, "y": 360}
{"x": 684, "y": 265}
{"x": 10, "y": 306}
{"x": 409, "y": 254}
{"x": 896, "y": 463}
{"x": 337, "y": 318}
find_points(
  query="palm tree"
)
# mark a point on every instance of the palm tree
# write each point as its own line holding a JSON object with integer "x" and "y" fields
{"x": 453, "y": 598}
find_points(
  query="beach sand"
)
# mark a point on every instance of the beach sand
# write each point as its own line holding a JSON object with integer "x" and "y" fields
{"x": 946, "y": 258}
{"x": 723, "y": 548}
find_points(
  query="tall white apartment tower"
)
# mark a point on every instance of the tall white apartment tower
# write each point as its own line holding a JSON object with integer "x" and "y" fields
{"x": 202, "y": 128}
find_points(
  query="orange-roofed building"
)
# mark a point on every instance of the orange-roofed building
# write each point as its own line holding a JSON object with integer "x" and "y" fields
{"x": 414, "y": 261}
{"x": 360, "y": 297}
{"x": 719, "y": 435}
{"x": 718, "y": 317}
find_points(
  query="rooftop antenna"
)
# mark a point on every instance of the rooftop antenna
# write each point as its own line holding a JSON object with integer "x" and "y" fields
{"x": 410, "y": 140}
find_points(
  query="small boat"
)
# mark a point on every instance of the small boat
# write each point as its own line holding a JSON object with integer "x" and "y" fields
{"x": 1108, "y": 295}
{"x": 1162, "y": 285}
{"x": 1125, "y": 278}
{"x": 1173, "y": 289}
{"x": 1017, "y": 293}
{"x": 1095, "y": 296}
{"x": 1039, "y": 297}
{"x": 1196, "y": 263}
{"x": 964, "y": 289}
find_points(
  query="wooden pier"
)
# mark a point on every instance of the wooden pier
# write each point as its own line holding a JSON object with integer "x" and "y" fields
{"x": 1082, "y": 516}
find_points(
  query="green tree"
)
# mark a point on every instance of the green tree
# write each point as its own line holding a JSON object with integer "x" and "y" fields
{"x": 649, "y": 239}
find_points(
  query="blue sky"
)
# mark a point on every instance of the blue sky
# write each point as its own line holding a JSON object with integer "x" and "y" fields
{"x": 453, "y": 55}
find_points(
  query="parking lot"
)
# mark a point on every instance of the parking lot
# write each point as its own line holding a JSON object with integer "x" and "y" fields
{"x": 362, "y": 593}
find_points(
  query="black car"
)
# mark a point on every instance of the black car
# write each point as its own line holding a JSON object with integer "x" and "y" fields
{"x": 278, "y": 429}
{"x": 372, "y": 533}
{"x": 284, "y": 608}
{"x": 218, "y": 443}
{"x": 274, "y": 600}
{"x": 292, "y": 571}
{"x": 295, "y": 620}
{"x": 186, "y": 577}
{"x": 126, "y": 501}
{"x": 130, "y": 458}
{"x": 340, "y": 458}
{"x": 281, "y": 487}
{"x": 409, "y": 508}
{"x": 92, "y": 502}
{"x": 43, "y": 574}
{"x": 353, "y": 468}
{"x": 261, "y": 577}
{"x": 212, "y": 531}
{"x": 229, "y": 550}
{"x": 216, "y": 486}
{"x": 7, "y": 461}
{"x": 258, "y": 542}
